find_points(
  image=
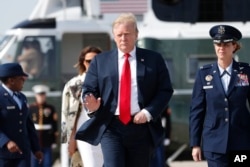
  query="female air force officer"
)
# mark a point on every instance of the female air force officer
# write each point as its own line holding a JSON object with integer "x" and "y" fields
{"x": 219, "y": 117}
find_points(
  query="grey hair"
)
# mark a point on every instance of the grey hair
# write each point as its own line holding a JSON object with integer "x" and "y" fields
{"x": 126, "y": 18}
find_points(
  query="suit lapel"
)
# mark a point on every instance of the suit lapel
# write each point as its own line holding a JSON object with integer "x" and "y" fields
{"x": 140, "y": 67}
{"x": 140, "y": 60}
{"x": 233, "y": 80}
{"x": 113, "y": 64}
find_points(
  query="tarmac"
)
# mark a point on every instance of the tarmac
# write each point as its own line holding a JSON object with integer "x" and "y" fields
{"x": 188, "y": 164}
{"x": 180, "y": 158}
{"x": 172, "y": 164}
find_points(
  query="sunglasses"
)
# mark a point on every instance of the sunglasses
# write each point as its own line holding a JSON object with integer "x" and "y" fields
{"x": 88, "y": 61}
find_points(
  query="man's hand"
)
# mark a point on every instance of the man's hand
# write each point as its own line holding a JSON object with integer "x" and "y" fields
{"x": 91, "y": 103}
{"x": 39, "y": 156}
{"x": 196, "y": 153}
{"x": 140, "y": 118}
{"x": 13, "y": 147}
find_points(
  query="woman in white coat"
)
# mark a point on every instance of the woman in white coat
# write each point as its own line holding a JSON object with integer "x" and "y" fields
{"x": 74, "y": 115}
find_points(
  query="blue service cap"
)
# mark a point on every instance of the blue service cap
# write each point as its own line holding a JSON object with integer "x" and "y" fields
{"x": 224, "y": 34}
{"x": 11, "y": 70}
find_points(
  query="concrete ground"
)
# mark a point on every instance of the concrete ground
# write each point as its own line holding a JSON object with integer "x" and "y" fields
{"x": 188, "y": 164}
{"x": 172, "y": 164}
{"x": 179, "y": 158}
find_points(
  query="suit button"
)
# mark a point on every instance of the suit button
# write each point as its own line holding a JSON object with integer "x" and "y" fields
{"x": 226, "y": 119}
{"x": 20, "y": 122}
{"x": 226, "y": 109}
{"x": 20, "y": 130}
{"x": 20, "y": 114}
{"x": 225, "y": 99}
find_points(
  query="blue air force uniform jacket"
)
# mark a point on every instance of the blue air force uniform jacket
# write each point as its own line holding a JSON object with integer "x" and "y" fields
{"x": 16, "y": 125}
{"x": 218, "y": 119}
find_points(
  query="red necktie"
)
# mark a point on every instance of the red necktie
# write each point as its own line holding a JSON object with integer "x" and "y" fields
{"x": 125, "y": 91}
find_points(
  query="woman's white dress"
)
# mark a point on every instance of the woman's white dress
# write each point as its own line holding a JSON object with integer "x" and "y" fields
{"x": 91, "y": 155}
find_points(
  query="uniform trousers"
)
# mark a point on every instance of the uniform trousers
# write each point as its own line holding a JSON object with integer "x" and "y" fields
{"x": 47, "y": 158}
{"x": 216, "y": 159}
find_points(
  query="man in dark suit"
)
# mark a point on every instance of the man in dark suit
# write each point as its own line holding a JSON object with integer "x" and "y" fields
{"x": 17, "y": 132}
{"x": 126, "y": 140}
{"x": 219, "y": 115}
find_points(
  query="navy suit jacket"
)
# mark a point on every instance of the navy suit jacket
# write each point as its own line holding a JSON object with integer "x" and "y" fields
{"x": 16, "y": 125}
{"x": 219, "y": 120}
{"x": 154, "y": 92}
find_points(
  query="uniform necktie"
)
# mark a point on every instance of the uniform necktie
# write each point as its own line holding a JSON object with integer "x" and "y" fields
{"x": 17, "y": 95}
{"x": 17, "y": 98}
{"x": 225, "y": 79}
{"x": 225, "y": 72}
{"x": 125, "y": 91}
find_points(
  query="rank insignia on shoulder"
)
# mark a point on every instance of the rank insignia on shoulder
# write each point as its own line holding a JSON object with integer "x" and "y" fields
{"x": 206, "y": 66}
{"x": 244, "y": 64}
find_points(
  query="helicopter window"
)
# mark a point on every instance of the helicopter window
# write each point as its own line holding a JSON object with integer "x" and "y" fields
{"x": 195, "y": 62}
{"x": 35, "y": 56}
{"x": 8, "y": 45}
{"x": 4, "y": 40}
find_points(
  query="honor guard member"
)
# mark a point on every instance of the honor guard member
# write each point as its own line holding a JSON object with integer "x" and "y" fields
{"x": 18, "y": 136}
{"x": 219, "y": 116}
{"x": 45, "y": 118}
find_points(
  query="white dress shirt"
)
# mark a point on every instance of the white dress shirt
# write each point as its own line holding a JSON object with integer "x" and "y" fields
{"x": 225, "y": 79}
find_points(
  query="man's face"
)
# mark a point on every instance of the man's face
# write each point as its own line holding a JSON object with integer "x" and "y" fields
{"x": 125, "y": 36}
{"x": 40, "y": 98}
{"x": 16, "y": 83}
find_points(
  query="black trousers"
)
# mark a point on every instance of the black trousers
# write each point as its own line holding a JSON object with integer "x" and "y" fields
{"x": 126, "y": 145}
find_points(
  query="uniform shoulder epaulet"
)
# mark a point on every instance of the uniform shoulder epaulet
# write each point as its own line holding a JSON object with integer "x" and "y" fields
{"x": 243, "y": 64}
{"x": 206, "y": 66}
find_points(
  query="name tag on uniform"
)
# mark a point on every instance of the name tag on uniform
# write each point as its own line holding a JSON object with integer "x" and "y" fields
{"x": 208, "y": 87}
{"x": 11, "y": 107}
